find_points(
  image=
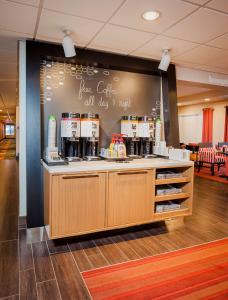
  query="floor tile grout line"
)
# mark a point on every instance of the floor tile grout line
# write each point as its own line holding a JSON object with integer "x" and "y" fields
{"x": 86, "y": 254}
{"x": 54, "y": 271}
{"x": 81, "y": 275}
{"x": 101, "y": 253}
{"x": 57, "y": 252}
{"x": 6, "y": 241}
{"x": 83, "y": 252}
{"x": 40, "y": 282}
{"x": 115, "y": 247}
{"x": 3, "y": 298}
{"x": 122, "y": 240}
{"x": 34, "y": 270}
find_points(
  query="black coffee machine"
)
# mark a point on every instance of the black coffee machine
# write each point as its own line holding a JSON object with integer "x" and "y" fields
{"x": 70, "y": 136}
{"x": 146, "y": 136}
{"x": 129, "y": 128}
{"x": 90, "y": 136}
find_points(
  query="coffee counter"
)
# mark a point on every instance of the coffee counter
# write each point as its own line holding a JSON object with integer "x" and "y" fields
{"x": 102, "y": 165}
{"x": 85, "y": 197}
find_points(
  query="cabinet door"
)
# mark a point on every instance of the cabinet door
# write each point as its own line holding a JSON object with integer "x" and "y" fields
{"x": 130, "y": 197}
{"x": 78, "y": 203}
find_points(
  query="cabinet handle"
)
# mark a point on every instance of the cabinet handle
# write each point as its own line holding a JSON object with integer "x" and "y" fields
{"x": 132, "y": 173}
{"x": 80, "y": 176}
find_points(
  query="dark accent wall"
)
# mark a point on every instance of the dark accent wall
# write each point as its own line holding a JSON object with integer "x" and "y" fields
{"x": 109, "y": 93}
{"x": 35, "y": 52}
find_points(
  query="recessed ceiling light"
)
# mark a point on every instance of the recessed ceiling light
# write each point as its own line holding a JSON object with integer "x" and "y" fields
{"x": 0, "y": 109}
{"x": 178, "y": 104}
{"x": 207, "y": 99}
{"x": 150, "y": 15}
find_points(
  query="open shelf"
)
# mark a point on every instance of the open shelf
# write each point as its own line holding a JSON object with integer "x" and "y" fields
{"x": 171, "y": 214}
{"x": 172, "y": 197}
{"x": 172, "y": 180}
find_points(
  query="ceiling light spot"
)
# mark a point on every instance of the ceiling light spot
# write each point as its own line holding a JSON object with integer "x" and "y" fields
{"x": 207, "y": 99}
{"x": 48, "y": 76}
{"x": 179, "y": 104}
{"x": 48, "y": 65}
{"x": 48, "y": 87}
{"x": 61, "y": 83}
{"x": 48, "y": 98}
{"x": 150, "y": 15}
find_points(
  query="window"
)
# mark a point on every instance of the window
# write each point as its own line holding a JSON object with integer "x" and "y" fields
{"x": 9, "y": 129}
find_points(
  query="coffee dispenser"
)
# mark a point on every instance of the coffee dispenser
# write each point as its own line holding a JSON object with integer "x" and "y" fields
{"x": 90, "y": 136}
{"x": 146, "y": 135}
{"x": 129, "y": 128}
{"x": 70, "y": 136}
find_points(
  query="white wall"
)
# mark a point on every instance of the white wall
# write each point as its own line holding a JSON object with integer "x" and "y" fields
{"x": 190, "y": 122}
{"x": 189, "y": 125}
{"x": 22, "y": 125}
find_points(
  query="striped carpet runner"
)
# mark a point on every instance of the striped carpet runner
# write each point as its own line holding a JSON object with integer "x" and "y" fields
{"x": 199, "y": 272}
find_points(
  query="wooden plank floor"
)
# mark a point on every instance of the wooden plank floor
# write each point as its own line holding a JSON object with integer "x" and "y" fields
{"x": 52, "y": 269}
{"x": 8, "y": 149}
{"x": 9, "y": 269}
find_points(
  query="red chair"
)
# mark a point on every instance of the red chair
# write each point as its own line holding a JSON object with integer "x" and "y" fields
{"x": 211, "y": 157}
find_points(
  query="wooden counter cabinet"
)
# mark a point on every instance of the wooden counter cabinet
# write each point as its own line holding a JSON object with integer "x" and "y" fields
{"x": 130, "y": 198}
{"x": 74, "y": 203}
{"x": 80, "y": 202}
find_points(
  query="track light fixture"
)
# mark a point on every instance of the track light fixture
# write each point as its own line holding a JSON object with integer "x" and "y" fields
{"x": 68, "y": 44}
{"x": 165, "y": 60}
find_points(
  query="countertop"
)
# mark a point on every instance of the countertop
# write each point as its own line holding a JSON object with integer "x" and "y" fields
{"x": 102, "y": 165}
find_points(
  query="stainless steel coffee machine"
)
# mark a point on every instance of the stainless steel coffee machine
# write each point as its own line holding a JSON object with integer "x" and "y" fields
{"x": 129, "y": 129}
{"x": 70, "y": 136}
{"x": 90, "y": 136}
{"x": 146, "y": 129}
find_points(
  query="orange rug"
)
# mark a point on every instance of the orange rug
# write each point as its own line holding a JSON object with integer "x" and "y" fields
{"x": 206, "y": 173}
{"x": 199, "y": 272}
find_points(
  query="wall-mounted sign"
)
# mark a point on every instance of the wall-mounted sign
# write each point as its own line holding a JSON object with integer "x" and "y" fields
{"x": 67, "y": 87}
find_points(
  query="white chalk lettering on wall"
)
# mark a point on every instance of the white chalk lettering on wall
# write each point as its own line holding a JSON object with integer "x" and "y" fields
{"x": 103, "y": 103}
{"x": 83, "y": 89}
{"x": 125, "y": 103}
{"x": 90, "y": 101}
{"x": 94, "y": 87}
{"x": 106, "y": 89}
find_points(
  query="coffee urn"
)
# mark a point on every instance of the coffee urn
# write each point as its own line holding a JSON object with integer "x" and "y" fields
{"x": 146, "y": 135}
{"x": 129, "y": 128}
{"x": 70, "y": 136}
{"x": 90, "y": 136}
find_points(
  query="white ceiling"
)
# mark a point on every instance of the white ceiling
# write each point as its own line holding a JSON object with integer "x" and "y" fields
{"x": 189, "y": 93}
{"x": 195, "y": 30}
